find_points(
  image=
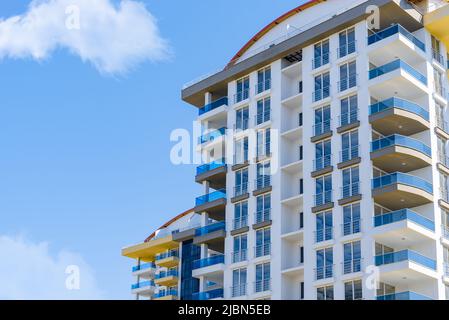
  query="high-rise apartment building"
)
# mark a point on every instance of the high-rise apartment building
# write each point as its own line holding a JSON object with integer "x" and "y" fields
{"x": 326, "y": 171}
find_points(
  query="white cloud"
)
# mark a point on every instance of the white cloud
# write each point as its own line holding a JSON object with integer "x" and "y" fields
{"x": 114, "y": 38}
{"x": 29, "y": 271}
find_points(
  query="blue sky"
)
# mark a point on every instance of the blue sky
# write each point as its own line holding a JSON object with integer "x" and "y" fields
{"x": 85, "y": 161}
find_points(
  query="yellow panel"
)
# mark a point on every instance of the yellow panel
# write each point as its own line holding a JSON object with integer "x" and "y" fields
{"x": 437, "y": 22}
{"x": 147, "y": 250}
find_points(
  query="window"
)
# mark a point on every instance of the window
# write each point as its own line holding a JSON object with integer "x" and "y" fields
{"x": 444, "y": 187}
{"x": 350, "y": 146}
{"x": 301, "y": 152}
{"x": 240, "y": 215}
{"x": 301, "y": 290}
{"x": 263, "y": 212}
{"x": 322, "y": 120}
{"x": 440, "y": 117}
{"x": 446, "y": 290}
{"x": 350, "y": 182}
{"x": 263, "y": 111}
{"x": 241, "y": 182}
{"x": 301, "y": 254}
{"x": 322, "y": 87}
{"x": 301, "y": 220}
{"x": 242, "y": 118}
{"x": 323, "y": 156}
{"x": 323, "y": 190}
{"x": 263, "y": 242}
{"x": 324, "y": 225}
{"x": 438, "y": 81}
{"x": 263, "y": 277}
{"x": 239, "y": 282}
{"x": 349, "y": 110}
{"x": 263, "y": 142}
{"x": 242, "y": 90}
{"x": 300, "y": 119}
{"x": 241, "y": 151}
{"x": 348, "y": 76}
{"x": 325, "y": 293}
{"x": 240, "y": 248}
{"x": 321, "y": 54}
{"x": 347, "y": 42}
{"x": 385, "y": 289}
{"x": 263, "y": 80}
{"x": 353, "y": 290}
{"x": 436, "y": 50}
{"x": 301, "y": 186}
{"x": 442, "y": 153}
{"x": 445, "y": 223}
{"x": 352, "y": 257}
{"x": 324, "y": 264}
{"x": 263, "y": 175}
{"x": 351, "y": 219}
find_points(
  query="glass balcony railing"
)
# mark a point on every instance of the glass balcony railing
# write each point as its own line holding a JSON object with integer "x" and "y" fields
{"x": 400, "y": 104}
{"x": 165, "y": 255}
{"x": 213, "y": 105}
{"x": 395, "y": 29}
{"x": 212, "y": 135}
{"x": 401, "y": 215}
{"x": 403, "y": 141}
{"x": 402, "y": 178}
{"x": 207, "y": 262}
{"x": 395, "y": 65}
{"x": 211, "y": 166}
{"x": 166, "y": 293}
{"x": 144, "y": 266}
{"x": 210, "y": 197}
{"x": 262, "y": 216}
{"x": 208, "y": 295}
{"x": 405, "y": 255}
{"x": 165, "y": 274}
{"x": 210, "y": 228}
{"x": 144, "y": 284}
{"x": 408, "y": 295}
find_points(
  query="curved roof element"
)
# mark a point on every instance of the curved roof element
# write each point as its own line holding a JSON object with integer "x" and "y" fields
{"x": 270, "y": 26}
{"x": 165, "y": 225}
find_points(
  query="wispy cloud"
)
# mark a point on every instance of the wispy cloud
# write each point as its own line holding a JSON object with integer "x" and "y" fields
{"x": 114, "y": 38}
{"x": 29, "y": 271}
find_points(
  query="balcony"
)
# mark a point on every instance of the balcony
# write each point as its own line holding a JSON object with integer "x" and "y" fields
{"x": 212, "y": 136}
{"x": 168, "y": 259}
{"x": 396, "y": 115}
{"x": 262, "y": 185}
{"x": 210, "y": 266}
{"x": 408, "y": 295}
{"x": 400, "y": 153}
{"x": 322, "y": 165}
{"x": 239, "y": 256}
{"x": 170, "y": 294}
{"x": 166, "y": 278}
{"x": 145, "y": 270}
{"x": 321, "y": 94}
{"x": 213, "y": 235}
{"x": 392, "y": 228}
{"x": 145, "y": 288}
{"x": 262, "y": 250}
{"x": 397, "y": 77}
{"x": 262, "y": 286}
{"x": 323, "y": 201}
{"x": 321, "y": 130}
{"x": 214, "y": 172}
{"x": 398, "y": 191}
{"x": 214, "y": 203}
{"x": 262, "y": 219}
{"x": 385, "y": 45}
{"x": 324, "y": 272}
{"x": 208, "y": 295}
{"x": 324, "y": 234}
{"x": 393, "y": 267}
{"x": 222, "y": 102}
{"x": 263, "y": 86}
